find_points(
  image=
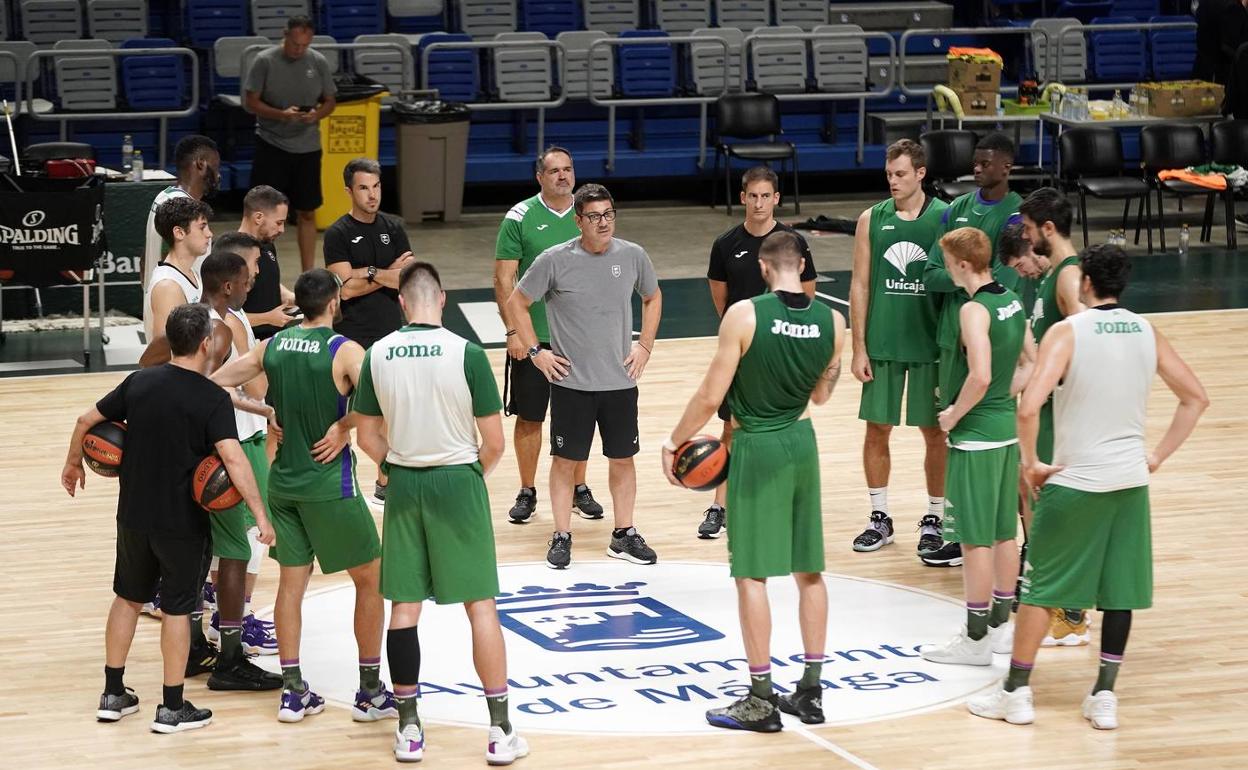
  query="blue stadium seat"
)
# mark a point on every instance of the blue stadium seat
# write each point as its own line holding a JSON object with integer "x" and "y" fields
{"x": 154, "y": 82}
{"x": 1118, "y": 55}
{"x": 1173, "y": 50}
{"x": 207, "y": 20}
{"x": 1084, "y": 10}
{"x": 1136, "y": 9}
{"x": 346, "y": 19}
{"x": 410, "y": 17}
{"x": 550, "y": 17}
{"x": 453, "y": 72}
{"x": 645, "y": 70}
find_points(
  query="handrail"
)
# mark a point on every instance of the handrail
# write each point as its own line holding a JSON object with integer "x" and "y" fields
{"x": 1133, "y": 27}
{"x": 17, "y": 76}
{"x": 80, "y": 53}
{"x": 500, "y": 44}
{"x": 409, "y": 77}
{"x": 911, "y": 33}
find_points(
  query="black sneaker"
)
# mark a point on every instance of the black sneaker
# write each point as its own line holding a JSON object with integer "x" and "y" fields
{"x": 949, "y": 555}
{"x": 583, "y": 502}
{"x": 805, "y": 703}
{"x": 379, "y": 494}
{"x": 526, "y": 504}
{"x": 186, "y": 718}
{"x": 878, "y": 533}
{"x": 114, "y": 707}
{"x": 631, "y": 547}
{"x": 929, "y": 534}
{"x": 560, "y": 554}
{"x": 242, "y": 674}
{"x": 762, "y": 715}
{"x": 201, "y": 660}
{"x": 713, "y": 524}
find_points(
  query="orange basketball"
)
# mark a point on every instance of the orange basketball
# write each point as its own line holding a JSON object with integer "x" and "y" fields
{"x": 211, "y": 486}
{"x": 102, "y": 447}
{"x": 701, "y": 463}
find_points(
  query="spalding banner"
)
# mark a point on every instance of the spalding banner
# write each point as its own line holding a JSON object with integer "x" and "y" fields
{"x": 50, "y": 226}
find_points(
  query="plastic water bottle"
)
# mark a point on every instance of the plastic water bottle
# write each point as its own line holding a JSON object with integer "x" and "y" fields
{"x": 1185, "y": 237}
{"x": 127, "y": 150}
{"x": 136, "y": 166}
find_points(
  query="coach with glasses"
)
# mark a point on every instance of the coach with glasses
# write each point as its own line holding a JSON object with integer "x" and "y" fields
{"x": 594, "y": 364}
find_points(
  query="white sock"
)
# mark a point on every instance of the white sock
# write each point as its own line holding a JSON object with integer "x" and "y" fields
{"x": 936, "y": 506}
{"x": 879, "y": 498}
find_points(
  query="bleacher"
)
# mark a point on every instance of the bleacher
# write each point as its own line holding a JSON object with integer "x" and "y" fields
{"x": 811, "y": 53}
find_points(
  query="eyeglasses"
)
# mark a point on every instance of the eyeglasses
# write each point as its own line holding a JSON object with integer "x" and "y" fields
{"x": 606, "y": 216}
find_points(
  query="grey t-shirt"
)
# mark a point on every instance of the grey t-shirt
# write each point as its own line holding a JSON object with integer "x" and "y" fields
{"x": 589, "y": 305}
{"x": 282, "y": 83}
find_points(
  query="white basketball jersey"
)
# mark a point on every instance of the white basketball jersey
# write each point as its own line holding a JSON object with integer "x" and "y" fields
{"x": 167, "y": 272}
{"x": 1099, "y": 412}
{"x": 248, "y": 424}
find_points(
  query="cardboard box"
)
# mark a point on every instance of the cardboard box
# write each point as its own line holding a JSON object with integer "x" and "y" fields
{"x": 1183, "y": 98}
{"x": 974, "y": 76}
{"x": 979, "y": 102}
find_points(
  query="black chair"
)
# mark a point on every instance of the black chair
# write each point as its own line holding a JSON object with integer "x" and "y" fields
{"x": 1228, "y": 145}
{"x": 950, "y": 155}
{"x": 1091, "y": 160}
{"x": 751, "y": 116}
{"x": 1169, "y": 146}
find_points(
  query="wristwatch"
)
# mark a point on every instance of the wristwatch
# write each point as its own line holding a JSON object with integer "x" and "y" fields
{"x": 535, "y": 351}
{"x": 372, "y": 273}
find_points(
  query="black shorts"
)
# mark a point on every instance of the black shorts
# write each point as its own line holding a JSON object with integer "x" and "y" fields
{"x": 528, "y": 389}
{"x": 573, "y": 414}
{"x": 298, "y": 174}
{"x": 176, "y": 562}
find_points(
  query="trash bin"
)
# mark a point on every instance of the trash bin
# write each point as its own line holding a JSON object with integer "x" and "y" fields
{"x": 351, "y": 131}
{"x": 433, "y": 149}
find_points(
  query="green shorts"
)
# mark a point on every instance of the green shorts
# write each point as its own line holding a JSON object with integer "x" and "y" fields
{"x": 438, "y": 538}
{"x": 774, "y": 503}
{"x": 981, "y": 496}
{"x": 1090, "y": 549}
{"x": 340, "y": 534}
{"x": 881, "y": 397}
{"x": 1044, "y": 439}
{"x": 229, "y": 527}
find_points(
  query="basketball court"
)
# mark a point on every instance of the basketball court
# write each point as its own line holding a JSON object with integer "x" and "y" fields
{"x": 612, "y": 664}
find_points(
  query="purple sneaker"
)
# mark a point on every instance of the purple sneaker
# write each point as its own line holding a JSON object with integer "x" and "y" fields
{"x": 269, "y": 625}
{"x": 409, "y": 743}
{"x": 297, "y": 705}
{"x": 213, "y": 632}
{"x": 372, "y": 708}
{"x": 257, "y": 639}
{"x": 152, "y": 608}
{"x": 210, "y": 597}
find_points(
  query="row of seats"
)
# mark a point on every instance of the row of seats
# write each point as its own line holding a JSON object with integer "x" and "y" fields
{"x": 81, "y": 79}
{"x": 1116, "y": 55}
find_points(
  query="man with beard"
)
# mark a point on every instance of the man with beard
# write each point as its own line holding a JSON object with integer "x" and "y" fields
{"x": 199, "y": 174}
{"x": 264, "y": 218}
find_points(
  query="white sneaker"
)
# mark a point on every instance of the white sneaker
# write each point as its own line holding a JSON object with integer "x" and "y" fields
{"x": 409, "y": 743}
{"x": 505, "y": 749}
{"x": 1101, "y": 709}
{"x": 961, "y": 649}
{"x": 1002, "y": 639}
{"x": 1014, "y": 707}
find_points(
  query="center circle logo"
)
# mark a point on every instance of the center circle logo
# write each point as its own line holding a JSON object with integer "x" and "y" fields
{"x": 33, "y": 218}
{"x": 607, "y": 647}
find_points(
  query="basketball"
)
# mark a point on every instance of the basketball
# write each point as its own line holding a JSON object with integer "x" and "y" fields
{"x": 701, "y": 463}
{"x": 102, "y": 447}
{"x": 211, "y": 486}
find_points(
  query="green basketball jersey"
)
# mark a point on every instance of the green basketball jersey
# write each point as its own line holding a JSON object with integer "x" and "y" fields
{"x": 1045, "y": 312}
{"x": 790, "y": 350}
{"x": 968, "y": 210}
{"x": 992, "y": 419}
{"x": 528, "y": 229}
{"x": 299, "y": 363}
{"x": 901, "y": 318}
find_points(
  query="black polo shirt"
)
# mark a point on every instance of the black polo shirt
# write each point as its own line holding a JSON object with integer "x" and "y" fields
{"x": 266, "y": 292}
{"x": 378, "y": 243}
{"x": 734, "y": 260}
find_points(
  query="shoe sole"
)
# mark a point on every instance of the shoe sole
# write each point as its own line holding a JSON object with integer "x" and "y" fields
{"x": 710, "y": 536}
{"x": 625, "y": 556}
{"x": 950, "y": 563}
{"x": 876, "y": 547}
{"x": 291, "y": 717}
{"x": 252, "y": 650}
{"x": 514, "y": 520}
{"x": 373, "y": 715}
{"x": 413, "y": 757}
{"x": 806, "y": 720}
{"x": 1004, "y": 718}
{"x": 738, "y": 726}
{"x": 958, "y": 662}
{"x": 587, "y": 516}
{"x": 103, "y": 715}
{"x": 243, "y": 686}
{"x": 1075, "y": 640}
{"x": 556, "y": 566}
{"x": 181, "y": 727}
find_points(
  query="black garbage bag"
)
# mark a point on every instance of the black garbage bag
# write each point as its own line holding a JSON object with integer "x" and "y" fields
{"x": 431, "y": 111}
{"x": 355, "y": 88}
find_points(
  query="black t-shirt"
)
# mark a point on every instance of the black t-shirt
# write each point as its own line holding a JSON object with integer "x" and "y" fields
{"x": 734, "y": 260}
{"x": 368, "y": 318}
{"x": 266, "y": 293}
{"x": 174, "y": 418}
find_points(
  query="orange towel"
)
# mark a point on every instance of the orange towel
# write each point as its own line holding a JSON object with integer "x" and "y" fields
{"x": 1211, "y": 181}
{"x": 974, "y": 54}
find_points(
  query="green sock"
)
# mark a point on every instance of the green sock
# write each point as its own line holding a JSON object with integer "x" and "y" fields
{"x": 976, "y": 620}
{"x": 197, "y": 629}
{"x": 407, "y": 711}
{"x": 370, "y": 676}
{"x": 497, "y": 704}
{"x": 1107, "y": 674}
{"x": 1000, "y": 612}
{"x": 812, "y": 671}
{"x": 292, "y": 678}
{"x": 760, "y": 682}
{"x": 1019, "y": 676}
{"x": 231, "y": 642}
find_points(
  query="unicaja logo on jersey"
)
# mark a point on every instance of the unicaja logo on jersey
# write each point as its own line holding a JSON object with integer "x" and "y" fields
{"x": 800, "y": 331}
{"x": 904, "y": 253}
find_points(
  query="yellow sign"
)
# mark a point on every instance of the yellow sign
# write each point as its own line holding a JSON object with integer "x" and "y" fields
{"x": 347, "y": 134}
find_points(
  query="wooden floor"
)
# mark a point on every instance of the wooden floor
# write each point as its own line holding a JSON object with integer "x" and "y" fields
{"x": 1184, "y": 686}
